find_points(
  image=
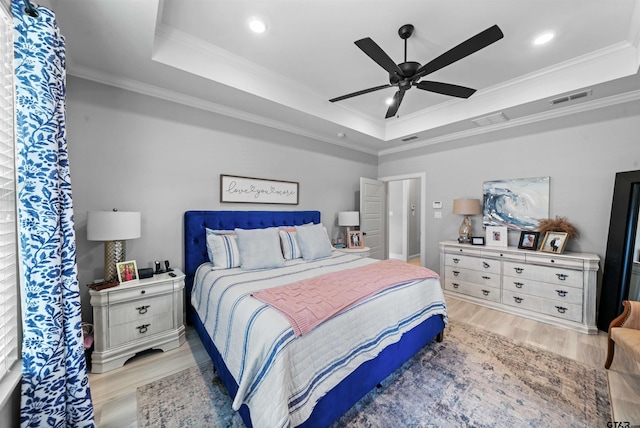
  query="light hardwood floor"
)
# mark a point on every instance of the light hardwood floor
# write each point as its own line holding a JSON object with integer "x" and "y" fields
{"x": 114, "y": 392}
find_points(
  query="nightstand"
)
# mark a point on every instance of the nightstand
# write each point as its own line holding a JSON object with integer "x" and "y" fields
{"x": 362, "y": 252}
{"x": 136, "y": 316}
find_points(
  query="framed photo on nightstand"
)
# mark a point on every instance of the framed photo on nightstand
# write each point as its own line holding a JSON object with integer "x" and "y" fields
{"x": 355, "y": 239}
{"x": 127, "y": 271}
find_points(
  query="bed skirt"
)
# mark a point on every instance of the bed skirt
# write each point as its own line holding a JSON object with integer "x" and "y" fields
{"x": 355, "y": 386}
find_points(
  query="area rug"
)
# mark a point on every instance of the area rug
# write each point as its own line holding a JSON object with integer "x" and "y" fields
{"x": 472, "y": 378}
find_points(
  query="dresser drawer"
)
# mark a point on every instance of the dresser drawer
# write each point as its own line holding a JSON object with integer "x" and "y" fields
{"x": 476, "y": 277}
{"x": 475, "y": 263}
{"x": 555, "y": 261}
{"x": 562, "y": 310}
{"x": 140, "y": 329}
{"x": 126, "y": 294}
{"x": 475, "y": 290}
{"x": 138, "y": 309}
{"x": 552, "y": 275}
{"x": 559, "y": 293}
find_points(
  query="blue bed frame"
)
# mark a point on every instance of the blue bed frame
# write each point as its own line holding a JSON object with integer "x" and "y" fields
{"x": 342, "y": 397}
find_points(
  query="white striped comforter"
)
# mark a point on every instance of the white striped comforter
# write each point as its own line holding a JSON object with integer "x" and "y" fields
{"x": 281, "y": 377}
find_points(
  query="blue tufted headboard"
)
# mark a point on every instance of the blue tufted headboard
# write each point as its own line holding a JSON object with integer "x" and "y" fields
{"x": 195, "y": 223}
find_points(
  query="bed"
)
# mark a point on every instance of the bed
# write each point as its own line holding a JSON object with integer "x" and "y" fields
{"x": 326, "y": 381}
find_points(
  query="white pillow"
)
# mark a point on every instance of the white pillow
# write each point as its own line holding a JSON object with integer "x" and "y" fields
{"x": 313, "y": 241}
{"x": 223, "y": 250}
{"x": 289, "y": 243}
{"x": 259, "y": 248}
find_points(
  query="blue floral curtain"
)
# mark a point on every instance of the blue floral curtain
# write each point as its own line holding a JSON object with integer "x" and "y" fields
{"x": 55, "y": 387}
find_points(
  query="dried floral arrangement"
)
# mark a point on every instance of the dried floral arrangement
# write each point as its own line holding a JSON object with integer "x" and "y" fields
{"x": 559, "y": 224}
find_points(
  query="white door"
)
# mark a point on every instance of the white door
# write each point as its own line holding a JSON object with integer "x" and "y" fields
{"x": 372, "y": 206}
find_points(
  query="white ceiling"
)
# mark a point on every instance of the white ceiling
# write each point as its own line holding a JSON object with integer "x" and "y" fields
{"x": 201, "y": 53}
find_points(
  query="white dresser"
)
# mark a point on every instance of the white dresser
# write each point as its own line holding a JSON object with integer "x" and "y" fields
{"x": 558, "y": 289}
{"x": 133, "y": 317}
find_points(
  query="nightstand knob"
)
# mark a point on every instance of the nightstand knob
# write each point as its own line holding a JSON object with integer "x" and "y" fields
{"x": 142, "y": 309}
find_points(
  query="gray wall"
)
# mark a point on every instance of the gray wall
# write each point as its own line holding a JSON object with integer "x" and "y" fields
{"x": 138, "y": 153}
{"x": 580, "y": 154}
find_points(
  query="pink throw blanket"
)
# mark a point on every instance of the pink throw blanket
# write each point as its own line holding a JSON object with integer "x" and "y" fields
{"x": 310, "y": 302}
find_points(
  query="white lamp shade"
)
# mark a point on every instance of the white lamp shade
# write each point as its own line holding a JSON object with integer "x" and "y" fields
{"x": 113, "y": 225}
{"x": 349, "y": 218}
{"x": 466, "y": 206}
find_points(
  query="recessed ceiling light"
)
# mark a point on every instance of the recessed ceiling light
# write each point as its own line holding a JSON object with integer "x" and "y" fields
{"x": 543, "y": 38}
{"x": 257, "y": 25}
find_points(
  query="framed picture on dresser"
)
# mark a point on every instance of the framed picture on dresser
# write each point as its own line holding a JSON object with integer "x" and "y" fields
{"x": 496, "y": 236}
{"x": 554, "y": 242}
{"x": 529, "y": 240}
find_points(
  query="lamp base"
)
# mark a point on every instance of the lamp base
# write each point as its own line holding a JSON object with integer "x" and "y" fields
{"x": 114, "y": 252}
{"x": 465, "y": 230}
{"x": 464, "y": 240}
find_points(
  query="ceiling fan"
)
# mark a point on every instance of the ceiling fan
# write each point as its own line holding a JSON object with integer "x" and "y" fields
{"x": 408, "y": 73}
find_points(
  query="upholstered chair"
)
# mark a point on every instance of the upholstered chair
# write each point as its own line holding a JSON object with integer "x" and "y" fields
{"x": 625, "y": 332}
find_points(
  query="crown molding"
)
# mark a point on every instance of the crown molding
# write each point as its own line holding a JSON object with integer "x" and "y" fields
{"x": 168, "y": 95}
{"x": 538, "y": 117}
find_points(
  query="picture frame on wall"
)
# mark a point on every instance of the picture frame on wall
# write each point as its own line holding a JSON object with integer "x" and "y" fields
{"x": 496, "y": 236}
{"x": 554, "y": 242}
{"x": 250, "y": 190}
{"x": 529, "y": 240}
{"x": 355, "y": 239}
{"x": 127, "y": 271}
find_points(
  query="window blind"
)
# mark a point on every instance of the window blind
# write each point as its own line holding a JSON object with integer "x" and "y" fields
{"x": 8, "y": 235}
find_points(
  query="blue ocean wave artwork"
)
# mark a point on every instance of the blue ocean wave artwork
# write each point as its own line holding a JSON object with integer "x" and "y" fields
{"x": 518, "y": 203}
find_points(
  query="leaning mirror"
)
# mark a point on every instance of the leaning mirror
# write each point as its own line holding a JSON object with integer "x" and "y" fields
{"x": 621, "y": 277}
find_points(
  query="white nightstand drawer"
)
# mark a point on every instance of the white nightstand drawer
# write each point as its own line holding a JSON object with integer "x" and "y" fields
{"x": 559, "y": 293}
{"x": 552, "y": 275}
{"x": 140, "y": 329}
{"x": 125, "y": 312}
{"x": 135, "y": 292}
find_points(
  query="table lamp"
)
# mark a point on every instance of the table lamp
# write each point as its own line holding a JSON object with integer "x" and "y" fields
{"x": 466, "y": 207}
{"x": 113, "y": 227}
{"x": 348, "y": 219}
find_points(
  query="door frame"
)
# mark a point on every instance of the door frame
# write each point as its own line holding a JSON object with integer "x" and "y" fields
{"x": 423, "y": 209}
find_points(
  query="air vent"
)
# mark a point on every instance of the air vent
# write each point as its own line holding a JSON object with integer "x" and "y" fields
{"x": 413, "y": 137}
{"x": 571, "y": 97}
{"x": 491, "y": 119}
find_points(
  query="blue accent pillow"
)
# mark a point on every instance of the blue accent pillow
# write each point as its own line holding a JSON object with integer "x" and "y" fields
{"x": 222, "y": 249}
{"x": 259, "y": 248}
{"x": 313, "y": 242}
{"x": 290, "y": 248}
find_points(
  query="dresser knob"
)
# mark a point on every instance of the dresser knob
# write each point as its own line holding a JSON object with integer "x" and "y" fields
{"x": 518, "y": 299}
{"x": 486, "y": 277}
{"x": 561, "y": 309}
{"x": 486, "y": 265}
{"x": 142, "y": 309}
{"x": 455, "y": 284}
{"x": 518, "y": 284}
{"x": 518, "y": 270}
{"x": 486, "y": 292}
{"x": 561, "y": 293}
{"x": 143, "y": 328}
{"x": 456, "y": 273}
{"x": 456, "y": 260}
{"x": 142, "y": 291}
{"x": 562, "y": 276}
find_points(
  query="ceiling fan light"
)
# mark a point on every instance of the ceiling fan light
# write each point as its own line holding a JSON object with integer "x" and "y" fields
{"x": 543, "y": 38}
{"x": 389, "y": 101}
{"x": 257, "y": 25}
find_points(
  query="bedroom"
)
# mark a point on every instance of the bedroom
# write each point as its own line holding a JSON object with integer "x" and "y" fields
{"x": 143, "y": 148}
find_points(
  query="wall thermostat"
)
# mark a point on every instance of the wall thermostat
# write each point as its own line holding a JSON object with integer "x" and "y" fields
{"x": 437, "y": 205}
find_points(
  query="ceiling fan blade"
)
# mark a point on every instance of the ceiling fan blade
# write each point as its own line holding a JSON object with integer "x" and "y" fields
{"x": 395, "y": 104}
{"x": 362, "y": 92}
{"x": 446, "y": 89}
{"x": 376, "y": 53}
{"x": 464, "y": 49}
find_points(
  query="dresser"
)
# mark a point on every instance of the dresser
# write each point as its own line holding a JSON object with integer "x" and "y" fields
{"x": 558, "y": 289}
{"x": 136, "y": 316}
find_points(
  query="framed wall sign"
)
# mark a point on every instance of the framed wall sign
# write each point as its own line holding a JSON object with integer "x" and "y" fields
{"x": 258, "y": 190}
